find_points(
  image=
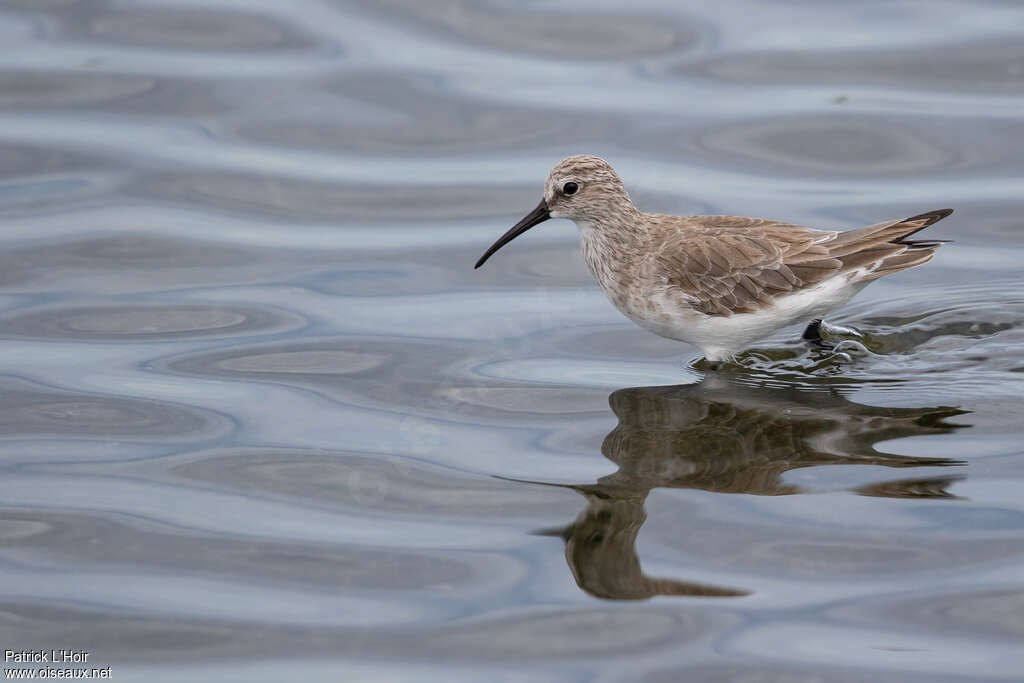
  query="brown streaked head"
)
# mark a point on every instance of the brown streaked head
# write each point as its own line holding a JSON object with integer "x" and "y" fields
{"x": 582, "y": 188}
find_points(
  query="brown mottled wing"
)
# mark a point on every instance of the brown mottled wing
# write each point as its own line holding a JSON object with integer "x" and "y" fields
{"x": 732, "y": 264}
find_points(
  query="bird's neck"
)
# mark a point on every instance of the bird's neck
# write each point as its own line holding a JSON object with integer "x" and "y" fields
{"x": 609, "y": 246}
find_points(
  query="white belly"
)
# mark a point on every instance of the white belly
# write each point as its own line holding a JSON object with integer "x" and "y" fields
{"x": 665, "y": 313}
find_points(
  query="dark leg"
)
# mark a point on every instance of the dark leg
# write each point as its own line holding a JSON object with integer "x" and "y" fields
{"x": 812, "y": 335}
{"x": 813, "y": 332}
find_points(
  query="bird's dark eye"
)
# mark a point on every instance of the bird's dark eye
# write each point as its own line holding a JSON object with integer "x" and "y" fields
{"x": 570, "y": 188}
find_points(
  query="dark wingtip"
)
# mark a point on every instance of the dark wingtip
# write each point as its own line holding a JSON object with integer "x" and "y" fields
{"x": 919, "y": 223}
{"x": 930, "y": 217}
{"x": 924, "y": 244}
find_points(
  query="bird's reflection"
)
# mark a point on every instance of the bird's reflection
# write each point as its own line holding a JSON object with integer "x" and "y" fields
{"x": 725, "y": 438}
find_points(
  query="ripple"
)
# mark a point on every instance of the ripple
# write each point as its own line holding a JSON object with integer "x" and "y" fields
{"x": 141, "y": 250}
{"x": 39, "y": 4}
{"x": 319, "y": 362}
{"x": 363, "y": 481}
{"x": 187, "y": 29}
{"x": 370, "y": 276}
{"x": 580, "y": 35}
{"x": 417, "y": 116}
{"x": 930, "y": 340}
{"x": 547, "y": 634}
{"x": 124, "y": 94}
{"x": 279, "y": 197}
{"x": 845, "y": 144}
{"x": 776, "y": 672}
{"x": 135, "y": 322}
{"x": 993, "y": 66}
{"x": 619, "y": 342}
{"x": 847, "y": 558}
{"x": 428, "y": 378}
{"x": 45, "y": 90}
{"x": 176, "y": 178}
{"x": 834, "y": 144}
{"x": 577, "y": 633}
{"x": 312, "y": 361}
{"x": 93, "y": 542}
{"x": 131, "y": 263}
{"x": 579, "y": 372}
{"x": 31, "y": 410}
{"x": 107, "y": 630}
{"x": 19, "y": 529}
{"x": 991, "y": 613}
{"x": 519, "y": 399}
{"x": 36, "y": 178}
{"x": 24, "y": 161}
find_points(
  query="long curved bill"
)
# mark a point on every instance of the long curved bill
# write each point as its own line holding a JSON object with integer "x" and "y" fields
{"x": 538, "y": 215}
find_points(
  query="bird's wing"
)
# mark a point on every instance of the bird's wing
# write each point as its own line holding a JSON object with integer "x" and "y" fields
{"x": 731, "y": 264}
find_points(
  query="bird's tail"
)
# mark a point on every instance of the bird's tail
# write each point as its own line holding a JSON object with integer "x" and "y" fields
{"x": 885, "y": 245}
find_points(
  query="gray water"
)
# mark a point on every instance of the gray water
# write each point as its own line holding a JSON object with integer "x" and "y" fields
{"x": 261, "y": 420}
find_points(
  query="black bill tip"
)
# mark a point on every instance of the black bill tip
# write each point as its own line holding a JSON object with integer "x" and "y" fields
{"x": 538, "y": 215}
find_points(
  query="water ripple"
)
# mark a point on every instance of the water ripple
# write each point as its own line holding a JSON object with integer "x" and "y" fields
{"x": 590, "y": 35}
{"x": 181, "y": 28}
{"x": 32, "y": 410}
{"x": 412, "y": 116}
{"x": 255, "y": 398}
{"x": 133, "y": 322}
{"x": 993, "y": 66}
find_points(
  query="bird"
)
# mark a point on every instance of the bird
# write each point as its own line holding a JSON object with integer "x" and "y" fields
{"x": 719, "y": 283}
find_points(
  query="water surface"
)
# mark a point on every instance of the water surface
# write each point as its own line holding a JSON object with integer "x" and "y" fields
{"x": 262, "y": 420}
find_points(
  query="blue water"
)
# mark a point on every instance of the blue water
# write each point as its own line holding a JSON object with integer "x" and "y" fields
{"x": 261, "y": 420}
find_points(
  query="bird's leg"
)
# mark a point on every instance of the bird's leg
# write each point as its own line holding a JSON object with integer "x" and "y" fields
{"x": 812, "y": 332}
{"x": 812, "y": 335}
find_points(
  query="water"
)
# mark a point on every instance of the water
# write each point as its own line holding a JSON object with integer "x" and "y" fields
{"x": 263, "y": 421}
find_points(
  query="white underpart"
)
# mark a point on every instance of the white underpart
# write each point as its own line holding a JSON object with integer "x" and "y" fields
{"x": 719, "y": 337}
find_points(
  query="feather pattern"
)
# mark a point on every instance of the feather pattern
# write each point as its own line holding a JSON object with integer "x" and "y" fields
{"x": 732, "y": 264}
{"x": 718, "y": 282}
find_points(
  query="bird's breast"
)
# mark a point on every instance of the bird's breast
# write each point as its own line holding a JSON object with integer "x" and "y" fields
{"x": 628, "y": 288}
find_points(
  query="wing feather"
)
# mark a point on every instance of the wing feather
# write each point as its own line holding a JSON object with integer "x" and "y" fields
{"x": 734, "y": 264}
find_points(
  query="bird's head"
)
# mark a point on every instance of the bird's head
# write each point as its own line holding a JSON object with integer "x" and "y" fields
{"x": 582, "y": 188}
